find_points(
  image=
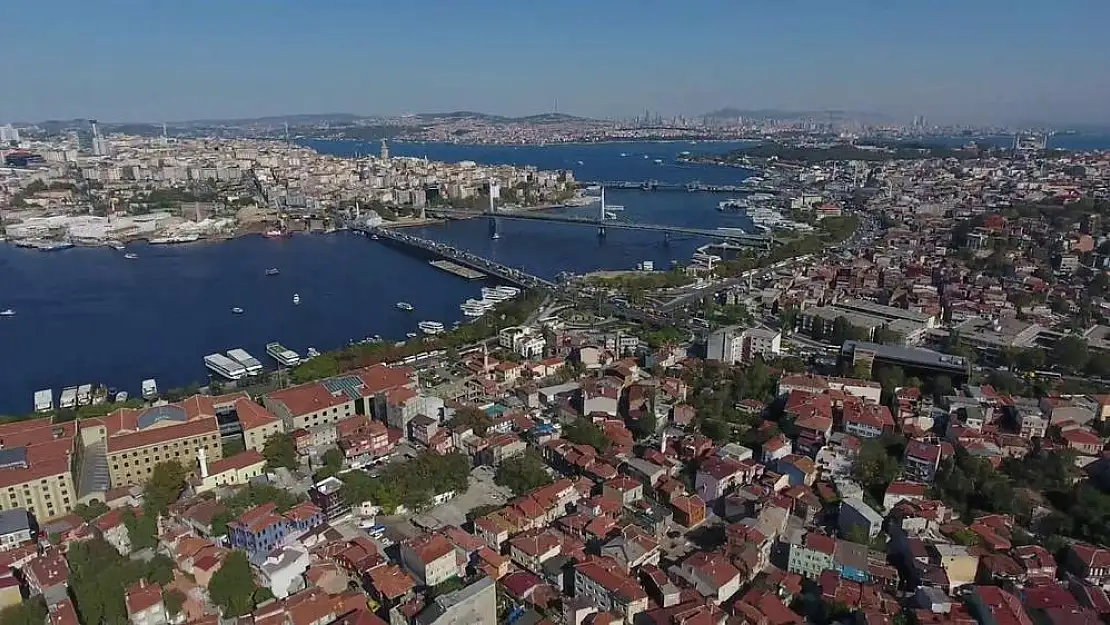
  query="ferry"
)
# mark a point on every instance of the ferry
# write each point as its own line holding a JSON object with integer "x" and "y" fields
{"x": 430, "y": 327}
{"x": 283, "y": 354}
{"x": 121, "y": 397}
{"x": 475, "y": 308}
{"x": 404, "y": 306}
{"x": 225, "y": 367}
{"x": 7, "y": 312}
{"x": 272, "y": 271}
{"x": 237, "y": 311}
{"x": 296, "y": 298}
{"x": 68, "y": 398}
{"x": 311, "y": 353}
{"x": 150, "y": 389}
{"x": 250, "y": 363}
{"x": 44, "y": 400}
{"x": 131, "y": 256}
{"x": 84, "y": 394}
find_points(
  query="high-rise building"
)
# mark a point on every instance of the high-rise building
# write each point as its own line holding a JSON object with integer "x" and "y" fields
{"x": 385, "y": 151}
{"x": 8, "y": 134}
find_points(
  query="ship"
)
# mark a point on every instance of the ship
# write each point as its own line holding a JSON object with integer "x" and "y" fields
{"x": 237, "y": 311}
{"x": 150, "y": 389}
{"x": 405, "y": 306}
{"x": 7, "y": 312}
{"x": 225, "y": 367}
{"x": 430, "y": 327}
{"x": 131, "y": 256}
{"x": 475, "y": 308}
{"x": 272, "y": 271}
{"x": 250, "y": 363}
{"x": 296, "y": 298}
{"x": 283, "y": 355}
{"x": 734, "y": 204}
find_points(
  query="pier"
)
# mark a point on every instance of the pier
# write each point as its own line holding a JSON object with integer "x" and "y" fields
{"x": 458, "y": 270}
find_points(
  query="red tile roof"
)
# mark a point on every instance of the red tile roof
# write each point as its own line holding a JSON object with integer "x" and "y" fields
{"x": 239, "y": 461}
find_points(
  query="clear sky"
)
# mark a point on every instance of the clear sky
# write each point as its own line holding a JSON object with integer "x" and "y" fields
{"x": 952, "y": 60}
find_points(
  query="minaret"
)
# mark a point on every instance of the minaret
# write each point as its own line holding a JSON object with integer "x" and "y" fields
{"x": 663, "y": 443}
{"x": 202, "y": 460}
{"x": 385, "y": 151}
{"x": 485, "y": 359}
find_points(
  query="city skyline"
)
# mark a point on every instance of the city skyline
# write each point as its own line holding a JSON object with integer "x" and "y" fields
{"x": 952, "y": 63}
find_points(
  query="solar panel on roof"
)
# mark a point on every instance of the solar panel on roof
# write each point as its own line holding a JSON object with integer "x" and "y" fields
{"x": 349, "y": 385}
{"x": 161, "y": 413}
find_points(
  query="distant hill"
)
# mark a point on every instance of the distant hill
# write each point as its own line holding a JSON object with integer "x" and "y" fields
{"x": 542, "y": 118}
{"x": 832, "y": 115}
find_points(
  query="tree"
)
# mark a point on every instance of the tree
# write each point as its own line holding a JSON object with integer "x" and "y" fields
{"x": 646, "y": 426}
{"x": 280, "y": 451}
{"x": 584, "y": 432}
{"x": 164, "y": 486}
{"x": 142, "y": 529}
{"x": 472, "y": 417}
{"x": 233, "y": 446}
{"x": 174, "y": 601}
{"x": 874, "y": 469}
{"x": 1069, "y": 353}
{"x": 333, "y": 464}
{"x": 232, "y": 587}
{"x": 523, "y": 473}
{"x": 90, "y": 511}
{"x": 716, "y": 430}
{"x": 30, "y": 612}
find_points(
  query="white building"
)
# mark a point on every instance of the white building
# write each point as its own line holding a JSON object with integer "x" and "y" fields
{"x": 733, "y": 344}
{"x": 8, "y": 134}
{"x": 522, "y": 340}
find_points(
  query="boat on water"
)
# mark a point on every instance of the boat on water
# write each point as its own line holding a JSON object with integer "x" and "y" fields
{"x": 250, "y": 363}
{"x": 684, "y": 153}
{"x": 117, "y": 246}
{"x": 7, "y": 312}
{"x": 121, "y": 397}
{"x": 430, "y": 327}
{"x": 658, "y": 161}
{"x": 237, "y": 311}
{"x": 734, "y": 204}
{"x": 272, "y": 271}
{"x": 131, "y": 256}
{"x": 373, "y": 237}
{"x": 276, "y": 233}
{"x": 624, "y": 153}
{"x": 150, "y": 388}
{"x": 411, "y": 335}
{"x": 296, "y": 298}
{"x": 225, "y": 367}
{"x": 283, "y": 354}
{"x": 476, "y": 308}
{"x": 311, "y": 353}
{"x": 405, "y": 306}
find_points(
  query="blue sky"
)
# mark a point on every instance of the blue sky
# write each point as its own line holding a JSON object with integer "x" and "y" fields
{"x": 952, "y": 60}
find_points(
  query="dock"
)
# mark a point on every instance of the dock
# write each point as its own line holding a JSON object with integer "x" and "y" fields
{"x": 458, "y": 270}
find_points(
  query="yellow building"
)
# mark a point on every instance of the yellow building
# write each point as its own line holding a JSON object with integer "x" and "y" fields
{"x": 133, "y": 441}
{"x": 258, "y": 424}
{"x": 234, "y": 471}
{"x": 36, "y": 467}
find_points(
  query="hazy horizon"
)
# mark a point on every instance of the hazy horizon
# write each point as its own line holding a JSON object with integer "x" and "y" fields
{"x": 986, "y": 62}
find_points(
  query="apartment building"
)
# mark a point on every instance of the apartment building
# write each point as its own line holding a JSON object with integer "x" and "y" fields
{"x": 359, "y": 392}
{"x": 36, "y": 464}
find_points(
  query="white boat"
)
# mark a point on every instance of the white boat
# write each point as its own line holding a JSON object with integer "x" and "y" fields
{"x": 658, "y": 161}
{"x": 296, "y": 298}
{"x": 624, "y": 153}
{"x": 84, "y": 394}
{"x": 404, "y": 306}
{"x": 373, "y": 237}
{"x": 7, "y": 312}
{"x": 121, "y": 397}
{"x": 237, "y": 311}
{"x": 430, "y": 327}
{"x": 311, "y": 353}
{"x": 272, "y": 271}
{"x": 131, "y": 256}
{"x": 185, "y": 238}
{"x": 250, "y": 363}
{"x": 68, "y": 398}
{"x": 283, "y": 355}
{"x": 475, "y": 308}
{"x": 225, "y": 367}
{"x": 411, "y": 335}
{"x": 150, "y": 389}
{"x": 44, "y": 400}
